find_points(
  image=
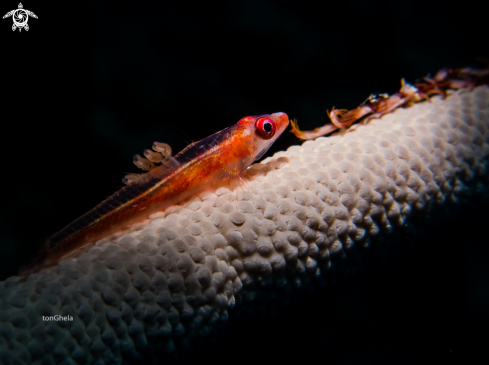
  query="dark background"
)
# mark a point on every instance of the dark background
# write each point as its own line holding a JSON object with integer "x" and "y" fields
{"x": 91, "y": 84}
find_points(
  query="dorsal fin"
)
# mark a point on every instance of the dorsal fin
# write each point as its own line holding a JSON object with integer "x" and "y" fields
{"x": 153, "y": 159}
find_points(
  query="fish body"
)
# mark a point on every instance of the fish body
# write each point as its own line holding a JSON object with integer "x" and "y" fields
{"x": 219, "y": 157}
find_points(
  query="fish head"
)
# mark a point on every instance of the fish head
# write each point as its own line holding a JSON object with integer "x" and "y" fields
{"x": 262, "y": 131}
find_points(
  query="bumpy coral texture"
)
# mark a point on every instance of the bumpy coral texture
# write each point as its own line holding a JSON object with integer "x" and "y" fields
{"x": 172, "y": 277}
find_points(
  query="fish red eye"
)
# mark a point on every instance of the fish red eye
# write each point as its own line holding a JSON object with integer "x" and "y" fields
{"x": 265, "y": 127}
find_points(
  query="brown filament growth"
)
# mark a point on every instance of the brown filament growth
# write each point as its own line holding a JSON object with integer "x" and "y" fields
{"x": 378, "y": 105}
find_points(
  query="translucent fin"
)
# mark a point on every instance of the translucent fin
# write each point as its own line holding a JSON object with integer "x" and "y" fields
{"x": 204, "y": 146}
{"x": 143, "y": 163}
{"x": 130, "y": 178}
{"x": 156, "y": 157}
{"x": 169, "y": 165}
{"x": 162, "y": 148}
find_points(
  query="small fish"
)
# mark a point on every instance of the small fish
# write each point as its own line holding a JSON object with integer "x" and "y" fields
{"x": 217, "y": 158}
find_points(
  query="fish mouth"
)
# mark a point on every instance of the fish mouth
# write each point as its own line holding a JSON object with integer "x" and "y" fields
{"x": 281, "y": 120}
